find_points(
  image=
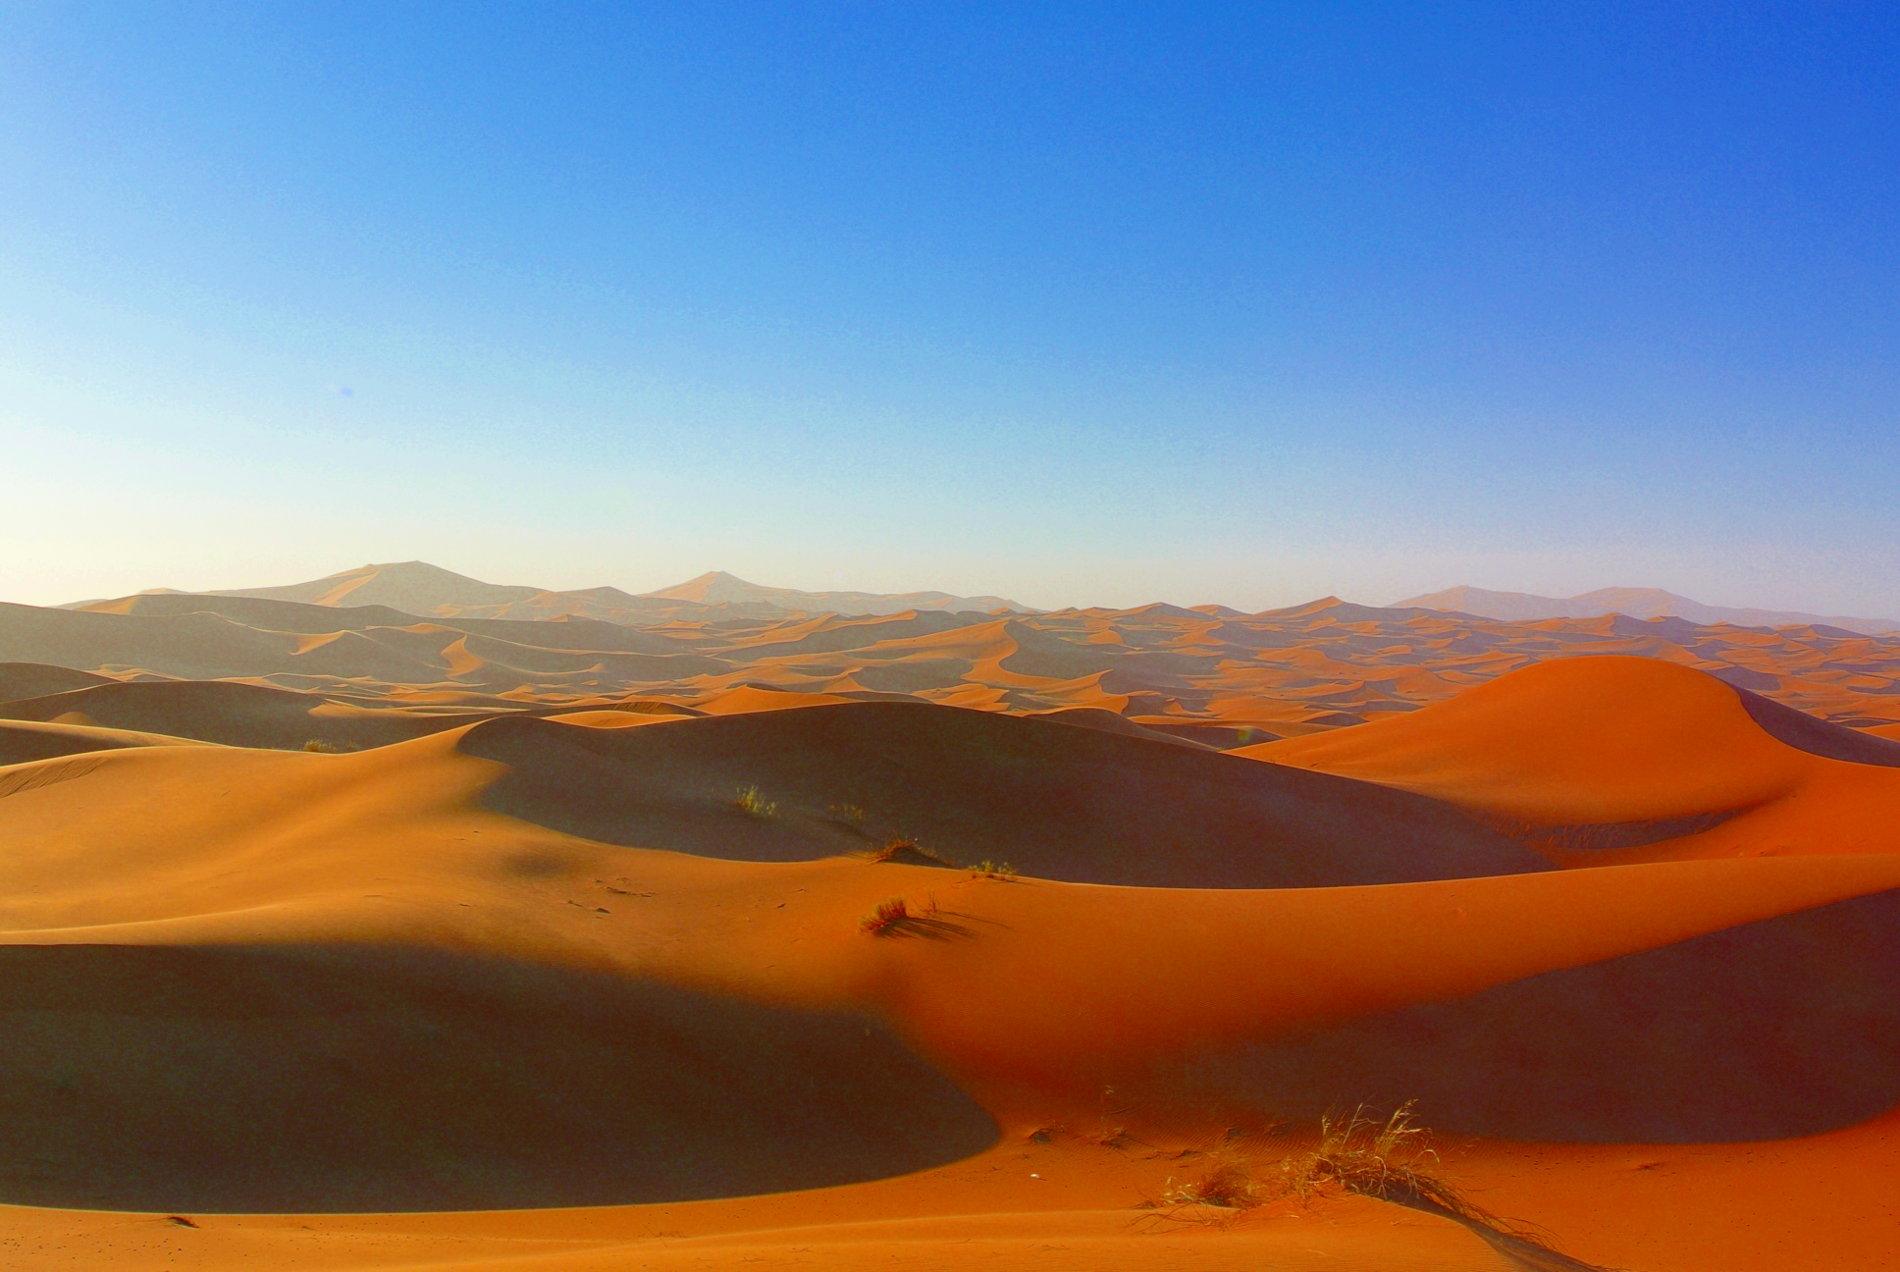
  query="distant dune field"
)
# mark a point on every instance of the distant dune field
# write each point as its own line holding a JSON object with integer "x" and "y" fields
{"x": 352, "y": 937}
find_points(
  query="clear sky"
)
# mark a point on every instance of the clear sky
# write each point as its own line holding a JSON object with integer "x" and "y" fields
{"x": 1075, "y": 303}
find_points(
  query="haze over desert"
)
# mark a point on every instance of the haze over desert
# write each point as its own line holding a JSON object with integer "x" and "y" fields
{"x": 1056, "y": 638}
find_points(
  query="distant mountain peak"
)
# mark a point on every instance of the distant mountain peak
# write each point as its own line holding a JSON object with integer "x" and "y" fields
{"x": 1634, "y": 602}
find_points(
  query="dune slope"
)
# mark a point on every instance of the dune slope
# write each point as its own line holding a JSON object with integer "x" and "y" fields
{"x": 1604, "y": 760}
{"x": 1054, "y": 800}
{"x": 510, "y": 961}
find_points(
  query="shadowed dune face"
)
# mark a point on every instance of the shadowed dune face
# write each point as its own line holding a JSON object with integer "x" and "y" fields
{"x": 218, "y": 1079}
{"x": 1819, "y": 737}
{"x": 36, "y": 680}
{"x": 23, "y": 741}
{"x": 1057, "y": 801}
{"x": 233, "y": 714}
{"x": 1785, "y": 1027}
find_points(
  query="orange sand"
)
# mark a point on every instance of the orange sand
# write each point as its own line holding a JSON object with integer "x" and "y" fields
{"x": 518, "y": 985}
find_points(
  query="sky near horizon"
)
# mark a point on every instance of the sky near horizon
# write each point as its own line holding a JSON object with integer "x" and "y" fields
{"x": 1073, "y": 303}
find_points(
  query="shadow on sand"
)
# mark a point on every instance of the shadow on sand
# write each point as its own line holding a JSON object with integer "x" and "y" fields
{"x": 340, "y": 1078}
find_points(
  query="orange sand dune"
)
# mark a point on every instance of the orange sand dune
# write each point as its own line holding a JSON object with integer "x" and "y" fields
{"x": 758, "y": 698}
{"x": 513, "y": 957}
{"x": 1583, "y": 747}
{"x": 344, "y": 946}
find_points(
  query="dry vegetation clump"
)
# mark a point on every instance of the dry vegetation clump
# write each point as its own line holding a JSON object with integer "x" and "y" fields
{"x": 849, "y": 814}
{"x": 1358, "y": 1154}
{"x": 1371, "y": 1157}
{"x": 987, "y": 869}
{"x": 318, "y": 746}
{"x": 909, "y": 852}
{"x": 885, "y": 917}
{"x": 1384, "y": 1158}
{"x": 1227, "y": 1184}
{"x": 754, "y": 804}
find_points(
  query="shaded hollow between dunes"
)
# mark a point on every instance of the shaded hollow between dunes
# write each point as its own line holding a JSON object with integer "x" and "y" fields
{"x": 359, "y": 1078}
{"x": 1057, "y": 802}
{"x": 1785, "y": 1027}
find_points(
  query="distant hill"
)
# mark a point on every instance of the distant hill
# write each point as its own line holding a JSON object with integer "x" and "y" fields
{"x": 1637, "y": 602}
{"x": 416, "y": 587}
{"x": 720, "y": 588}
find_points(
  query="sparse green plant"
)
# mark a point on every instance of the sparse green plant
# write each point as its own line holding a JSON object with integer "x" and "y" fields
{"x": 987, "y": 869}
{"x": 885, "y": 917}
{"x": 752, "y": 803}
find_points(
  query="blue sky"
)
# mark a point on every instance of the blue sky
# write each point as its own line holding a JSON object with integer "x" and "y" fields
{"x": 1087, "y": 303}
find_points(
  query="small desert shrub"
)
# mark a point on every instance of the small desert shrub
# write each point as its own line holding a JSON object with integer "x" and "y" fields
{"x": 907, "y": 852}
{"x": 850, "y": 814}
{"x": 1358, "y": 1154}
{"x": 886, "y": 916}
{"x": 753, "y": 804}
{"x": 1386, "y": 1159}
{"x": 1227, "y": 1184}
{"x": 1381, "y": 1157}
{"x": 987, "y": 869}
{"x": 319, "y": 746}
{"x": 1371, "y": 1157}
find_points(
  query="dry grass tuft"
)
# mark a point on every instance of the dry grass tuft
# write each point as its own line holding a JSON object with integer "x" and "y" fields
{"x": 1362, "y": 1154}
{"x": 885, "y": 917}
{"x": 987, "y": 869}
{"x": 1387, "y": 1158}
{"x": 907, "y": 852}
{"x": 753, "y": 804}
{"x": 1227, "y": 1184}
{"x": 849, "y": 814}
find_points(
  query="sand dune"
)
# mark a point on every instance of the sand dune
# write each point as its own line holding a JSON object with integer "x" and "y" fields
{"x": 33, "y": 680}
{"x": 24, "y": 740}
{"x": 1599, "y": 760}
{"x": 1208, "y": 673}
{"x": 407, "y": 996}
{"x": 232, "y": 713}
{"x": 1054, "y": 801}
{"x": 587, "y": 915}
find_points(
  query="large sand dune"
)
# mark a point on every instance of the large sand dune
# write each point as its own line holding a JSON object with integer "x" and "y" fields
{"x": 1622, "y": 759}
{"x": 551, "y": 933}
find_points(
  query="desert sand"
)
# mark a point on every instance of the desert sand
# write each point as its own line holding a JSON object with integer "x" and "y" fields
{"x": 342, "y": 937}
